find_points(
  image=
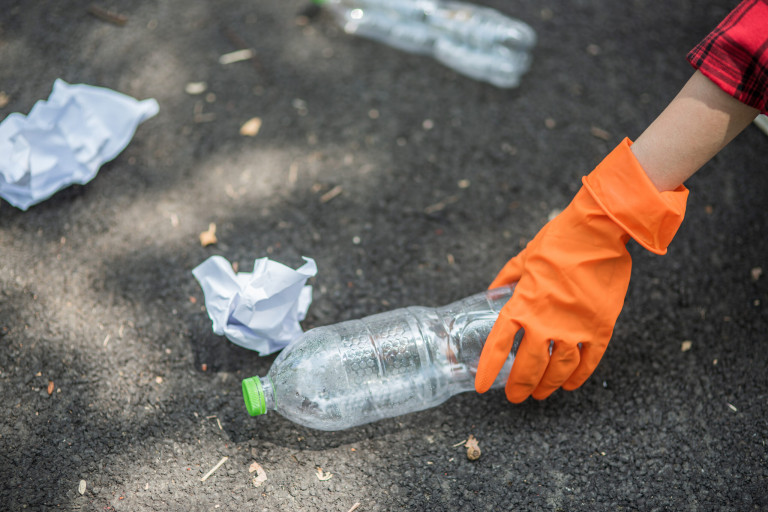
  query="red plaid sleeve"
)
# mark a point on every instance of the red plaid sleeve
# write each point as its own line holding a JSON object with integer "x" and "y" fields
{"x": 735, "y": 54}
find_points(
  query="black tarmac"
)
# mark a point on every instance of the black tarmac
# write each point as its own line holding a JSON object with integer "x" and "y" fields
{"x": 409, "y": 184}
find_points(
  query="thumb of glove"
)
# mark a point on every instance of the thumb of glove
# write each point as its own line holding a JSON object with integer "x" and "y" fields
{"x": 512, "y": 271}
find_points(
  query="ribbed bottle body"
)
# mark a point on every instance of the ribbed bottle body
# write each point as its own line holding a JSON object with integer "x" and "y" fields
{"x": 384, "y": 365}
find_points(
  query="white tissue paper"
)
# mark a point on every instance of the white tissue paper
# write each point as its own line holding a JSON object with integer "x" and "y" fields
{"x": 260, "y": 310}
{"x": 65, "y": 140}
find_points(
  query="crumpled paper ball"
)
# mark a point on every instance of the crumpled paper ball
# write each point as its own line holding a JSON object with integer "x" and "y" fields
{"x": 258, "y": 310}
{"x": 65, "y": 140}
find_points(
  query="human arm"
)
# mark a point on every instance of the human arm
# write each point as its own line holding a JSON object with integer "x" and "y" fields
{"x": 573, "y": 276}
{"x": 720, "y": 99}
{"x": 700, "y": 121}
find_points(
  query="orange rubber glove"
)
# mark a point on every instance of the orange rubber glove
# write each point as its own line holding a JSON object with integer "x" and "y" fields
{"x": 573, "y": 276}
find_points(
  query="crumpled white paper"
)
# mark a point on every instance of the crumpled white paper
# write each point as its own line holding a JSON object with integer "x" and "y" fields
{"x": 260, "y": 310}
{"x": 65, "y": 140}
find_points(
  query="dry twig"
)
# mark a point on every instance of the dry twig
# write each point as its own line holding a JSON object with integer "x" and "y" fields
{"x": 217, "y": 466}
{"x": 600, "y": 133}
{"x": 335, "y": 191}
{"x": 236, "y": 56}
{"x": 108, "y": 16}
{"x": 433, "y": 208}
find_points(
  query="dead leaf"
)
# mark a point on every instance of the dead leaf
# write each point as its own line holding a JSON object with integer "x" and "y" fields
{"x": 323, "y": 476}
{"x": 686, "y": 345}
{"x": 473, "y": 448}
{"x": 756, "y": 273}
{"x": 4, "y": 99}
{"x": 50, "y": 387}
{"x": 251, "y": 127}
{"x": 208, "y": 237}
{"x": 261, "y": 475}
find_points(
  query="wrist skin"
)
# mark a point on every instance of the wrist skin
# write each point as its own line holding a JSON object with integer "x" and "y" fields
{"x": 700, "y": 121}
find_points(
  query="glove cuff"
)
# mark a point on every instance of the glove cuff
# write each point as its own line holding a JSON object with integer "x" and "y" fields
{"x": 626, "y": 194}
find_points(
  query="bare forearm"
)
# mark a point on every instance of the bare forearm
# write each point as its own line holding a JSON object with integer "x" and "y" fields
{"x": 695, "y": 126}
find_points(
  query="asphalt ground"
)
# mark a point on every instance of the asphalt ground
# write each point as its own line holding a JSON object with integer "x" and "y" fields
{"x": 438, "y": 180}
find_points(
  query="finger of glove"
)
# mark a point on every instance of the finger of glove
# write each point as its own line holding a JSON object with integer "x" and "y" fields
{"x": 591, "y": 353}
{"x": 511, "y": 271}
{"x": 530, "y": 364}
{"x": 562, "y": 363}
{"x": 495, "y": 352}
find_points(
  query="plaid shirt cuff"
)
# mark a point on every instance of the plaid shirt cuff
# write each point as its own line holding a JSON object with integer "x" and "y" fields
{"x": 735, "y": 55}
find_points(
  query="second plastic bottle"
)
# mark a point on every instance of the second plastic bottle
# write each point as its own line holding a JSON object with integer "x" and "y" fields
{"x": 381, "y": 366}
{"x": 477, "y": 41}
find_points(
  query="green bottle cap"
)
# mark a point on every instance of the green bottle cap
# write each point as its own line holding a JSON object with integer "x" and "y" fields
{"x": 253, "y": 393}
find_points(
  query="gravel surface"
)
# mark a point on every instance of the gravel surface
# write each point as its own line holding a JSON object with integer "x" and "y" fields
{"x": 117, "y": 394}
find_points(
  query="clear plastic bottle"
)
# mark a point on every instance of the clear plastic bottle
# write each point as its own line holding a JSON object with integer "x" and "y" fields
{"x": 381, "y": 366}
{"x": 476, "y": 41}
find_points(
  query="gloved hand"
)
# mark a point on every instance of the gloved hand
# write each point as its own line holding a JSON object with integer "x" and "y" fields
{"x": 573, "y": 276}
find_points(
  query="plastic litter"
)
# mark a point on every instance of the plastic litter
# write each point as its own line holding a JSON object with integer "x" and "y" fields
{"x": 476, "y": 41}
{"x": 381, "y": 366}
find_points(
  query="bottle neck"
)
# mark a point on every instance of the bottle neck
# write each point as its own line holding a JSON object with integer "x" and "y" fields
{"x": 469, "y": 322}
{"x": 269, "y": 394}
